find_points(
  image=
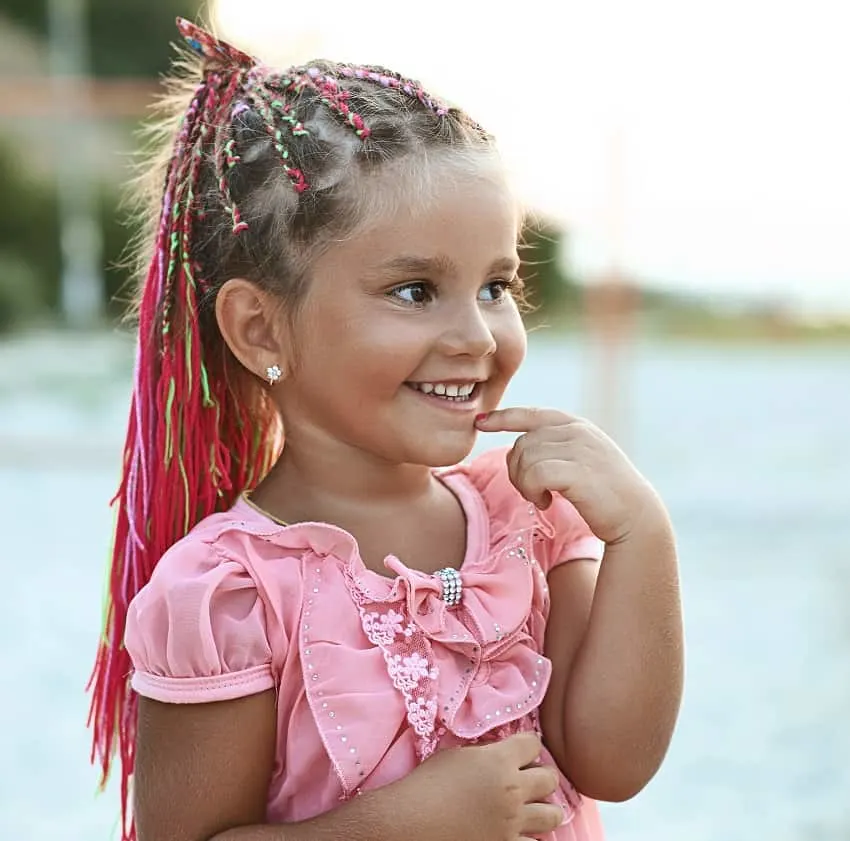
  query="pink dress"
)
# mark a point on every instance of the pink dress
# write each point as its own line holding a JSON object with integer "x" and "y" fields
{"x": 373, "y": 673}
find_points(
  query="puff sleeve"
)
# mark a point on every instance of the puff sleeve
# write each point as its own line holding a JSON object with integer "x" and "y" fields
{"x": 565, "y": 536}
{"x": 196, "y": 632}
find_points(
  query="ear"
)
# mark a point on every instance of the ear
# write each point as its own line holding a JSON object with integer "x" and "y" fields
{"x": 250, "y": 323}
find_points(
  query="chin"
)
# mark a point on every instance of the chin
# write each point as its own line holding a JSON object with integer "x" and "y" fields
{"x": 444, "y": 453}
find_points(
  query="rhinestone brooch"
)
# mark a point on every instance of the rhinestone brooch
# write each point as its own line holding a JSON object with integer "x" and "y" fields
{"x": 452, "y": 586}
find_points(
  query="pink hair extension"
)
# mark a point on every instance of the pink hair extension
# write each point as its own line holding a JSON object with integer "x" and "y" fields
{"x": 191, "y": 446}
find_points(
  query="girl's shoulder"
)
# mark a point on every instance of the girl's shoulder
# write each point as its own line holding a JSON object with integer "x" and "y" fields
{"x": 201, "y": 629}
{"x": 229, "y": 540}
{"x": 235, "y": 556}
{"x": 243, "y": 537}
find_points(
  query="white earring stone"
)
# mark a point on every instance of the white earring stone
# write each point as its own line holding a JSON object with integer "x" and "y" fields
{"x": 273, "y": 374}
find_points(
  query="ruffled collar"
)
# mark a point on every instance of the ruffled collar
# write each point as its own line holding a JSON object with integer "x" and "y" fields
{"x": 328, "y": 540}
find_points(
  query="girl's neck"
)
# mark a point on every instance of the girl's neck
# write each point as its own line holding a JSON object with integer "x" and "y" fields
{"x": 398, "y": 509}
{"x": 341, "y": 484}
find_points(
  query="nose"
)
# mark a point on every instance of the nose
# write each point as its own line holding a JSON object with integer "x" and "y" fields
{"x": 467, "y": 333}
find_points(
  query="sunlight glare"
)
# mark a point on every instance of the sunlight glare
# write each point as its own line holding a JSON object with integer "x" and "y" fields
{"x": 732, "y": 139}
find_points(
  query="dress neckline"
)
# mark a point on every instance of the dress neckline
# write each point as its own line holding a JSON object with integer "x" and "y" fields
{"x": 454, "y": 479}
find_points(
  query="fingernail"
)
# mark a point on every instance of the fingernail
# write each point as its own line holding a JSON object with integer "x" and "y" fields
{"x": 481, "y": 417}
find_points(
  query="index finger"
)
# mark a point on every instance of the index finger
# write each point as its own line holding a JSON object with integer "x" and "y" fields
{"x": 522, "y": 419}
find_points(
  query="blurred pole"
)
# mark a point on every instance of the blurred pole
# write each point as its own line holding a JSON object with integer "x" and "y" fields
{"x": 81, "y": 288}
{"x": 610, "y": 308}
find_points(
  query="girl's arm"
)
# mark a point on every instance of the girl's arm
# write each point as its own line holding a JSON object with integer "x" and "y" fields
{"x": 617, "y": 652}
{"x": 616, "y": 642}
{"x": 202, "y": 773}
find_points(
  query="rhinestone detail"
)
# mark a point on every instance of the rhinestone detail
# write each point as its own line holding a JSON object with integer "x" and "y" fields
{"x": 452, "y": 586}
{"x": 311, "y": 690}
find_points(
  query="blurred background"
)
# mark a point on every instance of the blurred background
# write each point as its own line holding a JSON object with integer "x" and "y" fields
{"x": 687, "y": 164}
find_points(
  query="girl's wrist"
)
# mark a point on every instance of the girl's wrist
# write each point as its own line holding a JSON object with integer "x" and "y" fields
{"x": 651, "y": 527}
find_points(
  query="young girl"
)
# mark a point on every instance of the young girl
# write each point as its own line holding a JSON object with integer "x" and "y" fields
{"x": 353, "y": 635}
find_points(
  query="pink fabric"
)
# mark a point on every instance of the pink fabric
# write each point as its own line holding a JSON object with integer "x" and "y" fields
{"x": 373, "y": 672}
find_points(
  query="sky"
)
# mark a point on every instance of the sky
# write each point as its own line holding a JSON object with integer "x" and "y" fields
{"x": 696, "y": 146}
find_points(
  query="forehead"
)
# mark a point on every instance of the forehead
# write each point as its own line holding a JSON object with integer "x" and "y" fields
{"x": 446, "y": 206}
{"x": 465, "y": 224}
{"x": 416, "y": 185}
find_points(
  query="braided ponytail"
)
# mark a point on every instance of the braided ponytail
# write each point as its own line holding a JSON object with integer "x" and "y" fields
{"x": 192, "y": 444}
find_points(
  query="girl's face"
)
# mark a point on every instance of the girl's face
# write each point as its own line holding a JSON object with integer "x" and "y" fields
{"x": 409, "y": 330}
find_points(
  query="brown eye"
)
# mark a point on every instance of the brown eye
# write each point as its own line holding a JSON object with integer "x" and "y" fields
{"x": 495, "y": 290}
{"x": 418, "y": 293}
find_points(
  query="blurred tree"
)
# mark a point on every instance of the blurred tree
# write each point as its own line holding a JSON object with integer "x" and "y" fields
{"x": 29, "y": 242}
{"x": 550, "y": 287}
{"x": 131, "y": 38}
{"x": 128, "y": 37}
{"x": 118, "y": 230}
{"x": 30, "y": 259}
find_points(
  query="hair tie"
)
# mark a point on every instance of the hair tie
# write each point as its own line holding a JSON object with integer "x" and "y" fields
{"x": 216, "y": 52}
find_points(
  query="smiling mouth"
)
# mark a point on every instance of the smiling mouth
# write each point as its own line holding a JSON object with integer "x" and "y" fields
{"x": 450, "y": 392}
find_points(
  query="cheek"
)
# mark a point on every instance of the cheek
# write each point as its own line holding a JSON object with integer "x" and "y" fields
{"x": 352, "y": 349}
{"x": 511, "y": 343}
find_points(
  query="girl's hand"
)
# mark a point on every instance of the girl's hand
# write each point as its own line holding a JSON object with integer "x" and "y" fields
{"x": 491, "y": 792}
{"x": 560, "y": 453}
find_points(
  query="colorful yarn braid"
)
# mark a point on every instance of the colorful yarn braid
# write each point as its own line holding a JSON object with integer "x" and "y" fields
{"x": 191, "y": 446}
{"x": 388, "y": 79}
{"x": 216, "y": 53}
{"x": 267, "y": 109}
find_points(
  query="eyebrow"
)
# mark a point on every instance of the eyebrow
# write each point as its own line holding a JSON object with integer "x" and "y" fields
{"x": 441, "y": 265}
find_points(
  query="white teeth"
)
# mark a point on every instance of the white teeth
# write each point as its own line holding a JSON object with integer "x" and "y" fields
{"x": 450, "y": 391}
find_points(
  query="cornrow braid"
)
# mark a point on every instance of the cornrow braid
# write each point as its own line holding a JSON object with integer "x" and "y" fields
{"x": 267, "y": 109}
{"x": 388, "y": 79}
{"x": 258, "y": 173}
{"x": 331, "y": 96}
{"x": 225, "y": 156}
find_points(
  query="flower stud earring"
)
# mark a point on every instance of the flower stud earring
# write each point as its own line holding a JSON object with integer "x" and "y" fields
{"x": 273, "y": 374}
